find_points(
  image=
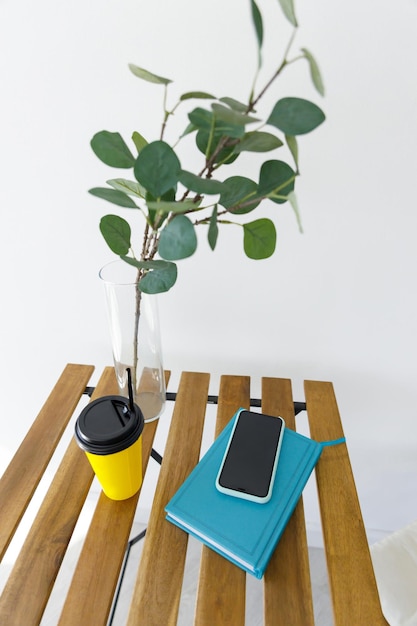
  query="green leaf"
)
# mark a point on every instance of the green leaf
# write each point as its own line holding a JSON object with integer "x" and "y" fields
{"x": 161, "y": 206}
{"x": 190, "y": 129}
{"x": 116, "y": 232}
{"x": 148, "y": 76}
{"x": 114, "y": 196}
{"x": 139, "y": 141}
{"x": 293, "y": 146}
{"x": 213, "y": 231}
{"x": 276, "y": 181}
{"x": 178, "y": 239}
{"x": 168, "y": 196}
{"x": 199, "y": 95}
{"x": 259, "y": 239}
{"x": 112, "y": 149}
{"x": 295, "y": 116}
{"x": 232, "y": 117}
{"x": 287, "y": 7}
{"x": 258, "y": 141}
{"x": 259, "y": 29}
{"x": 156, "y": 218}
{"x": 236, "y": 191}
{"x": 208, "y": 121}
{"x": 160, "y": 275}
{"x": 292, "y": 199}
{"x": 157, "y": 168}
{"x": 314, "y": 71}
{"x": 127, "y": 186}
{"x": 159, "y": 280}
{"x": 208, "y": 143}
{"x": 257, "y": 22}
{"x": 201, "y": 118}
{"x": 200, "y": 185}
{"x": 235, "y": 104}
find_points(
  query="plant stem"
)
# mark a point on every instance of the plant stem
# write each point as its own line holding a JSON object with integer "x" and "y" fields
{"x": 166, "y": 113}
{"x": 210, "y": 164}
{"x": 252, "y": 103}
{"x": 138, "y": 299}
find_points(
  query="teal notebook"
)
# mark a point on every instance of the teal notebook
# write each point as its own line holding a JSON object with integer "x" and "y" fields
{"x": 244, "y": 532}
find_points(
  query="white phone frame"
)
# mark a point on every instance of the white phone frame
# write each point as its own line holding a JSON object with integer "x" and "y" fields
{"x": 241, "y": 494}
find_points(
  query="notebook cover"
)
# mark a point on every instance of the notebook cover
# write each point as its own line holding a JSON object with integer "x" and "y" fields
{"x": 245, "y": 532}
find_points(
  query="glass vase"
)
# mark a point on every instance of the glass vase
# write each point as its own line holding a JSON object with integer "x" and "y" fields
{"x": 135, "y": 338}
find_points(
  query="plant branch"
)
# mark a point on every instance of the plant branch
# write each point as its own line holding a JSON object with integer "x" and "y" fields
{"x": 253, "y": 103}
{"x": 166, "y": 113}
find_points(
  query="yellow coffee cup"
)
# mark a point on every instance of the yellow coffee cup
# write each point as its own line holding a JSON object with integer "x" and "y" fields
{"x": 109, "y": 430}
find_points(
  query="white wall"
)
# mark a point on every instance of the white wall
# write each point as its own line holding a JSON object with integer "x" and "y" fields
{"x": 336, "y": 303}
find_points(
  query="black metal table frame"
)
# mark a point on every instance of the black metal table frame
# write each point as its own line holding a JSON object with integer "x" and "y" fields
{"x": 170, "y": 396}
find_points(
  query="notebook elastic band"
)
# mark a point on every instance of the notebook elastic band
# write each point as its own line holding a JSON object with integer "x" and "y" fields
{"x": 334, "y": 442}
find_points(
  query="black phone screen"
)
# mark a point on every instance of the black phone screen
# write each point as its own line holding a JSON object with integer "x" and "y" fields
{"x": 250, "y": 459}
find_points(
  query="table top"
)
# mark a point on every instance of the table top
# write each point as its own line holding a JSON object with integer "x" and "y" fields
{"x": 156, "y": 596}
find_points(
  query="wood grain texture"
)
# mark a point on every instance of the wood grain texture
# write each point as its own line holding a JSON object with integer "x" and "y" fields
{"x": 287, "y": 584}
{"x": 352, "y": 580}
{"x": 24, "y": 472}
{"x": 157, "y": 590}
{"x": 222, "y": 585}
{"x": 30, "y": 583}
{"x": 221, "y": 589}
{"x": 90, "y": 596}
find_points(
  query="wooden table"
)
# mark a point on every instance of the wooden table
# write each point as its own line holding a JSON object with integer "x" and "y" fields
{"x": 157, "y": 592}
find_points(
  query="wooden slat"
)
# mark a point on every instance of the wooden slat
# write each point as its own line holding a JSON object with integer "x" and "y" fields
{"x": 24, "y": 472}
{"x": 30, "y": 583}
{"x": 90, "y": 596}
{"x": 287, "y": 588}
{"x": 221, "y": 591}
{"x": 352, "y": 580}
{"x": 157, "y": 590}
{"x": 222, "y": 585}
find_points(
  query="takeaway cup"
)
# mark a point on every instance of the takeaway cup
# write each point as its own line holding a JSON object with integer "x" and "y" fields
{"x": 109, "y": 430}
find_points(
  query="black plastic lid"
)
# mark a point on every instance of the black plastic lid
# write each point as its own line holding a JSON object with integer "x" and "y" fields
{"x": 108, "y": 425}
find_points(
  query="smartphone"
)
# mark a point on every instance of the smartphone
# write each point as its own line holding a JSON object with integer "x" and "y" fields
{"x": 250, "y": 462}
